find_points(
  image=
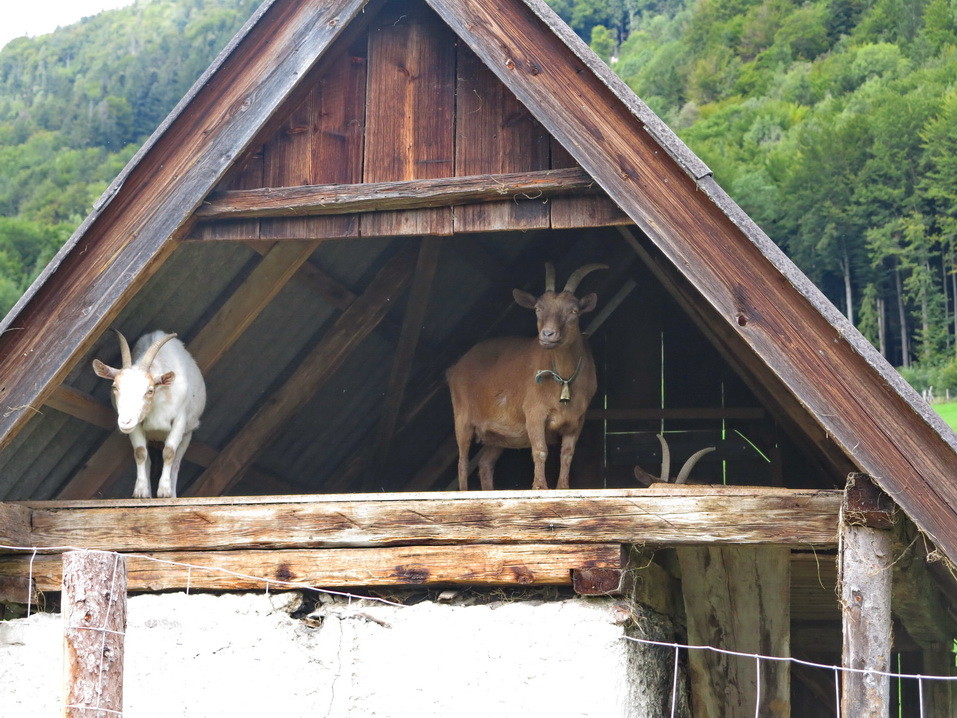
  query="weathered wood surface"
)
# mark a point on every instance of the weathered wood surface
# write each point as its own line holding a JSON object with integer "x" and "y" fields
{"x": 767, "y": 305}
{"x": 410, "y": 109}
{"x": 495, "y": 133}
{"x": 14, "y": 525}
{"x": 330, "y": 199}
{"x": 865, "y": 571}
{"x": 691, "y": 515}
{"x": 94, "y": 628}
{"x": 736, "y": 598}
{"x": 127, "y": 238}
{"x": 320, "y": 142}
{"x": 493, "y": 565}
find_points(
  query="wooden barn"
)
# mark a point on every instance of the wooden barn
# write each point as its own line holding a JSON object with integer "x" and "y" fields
{"x": 334, "y": 214}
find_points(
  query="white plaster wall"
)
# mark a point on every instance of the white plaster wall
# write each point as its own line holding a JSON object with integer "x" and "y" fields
{"x": 243, "y": 655}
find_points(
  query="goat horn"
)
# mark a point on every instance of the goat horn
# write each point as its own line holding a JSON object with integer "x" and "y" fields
{"x": 150, "y": 354}
{"x": 689, "y": 464}
{"x": 124, "y": 349}
{"x": 665, "y": 458}
{"x": 579, "y": 274}
{"x": 549, "y": 277}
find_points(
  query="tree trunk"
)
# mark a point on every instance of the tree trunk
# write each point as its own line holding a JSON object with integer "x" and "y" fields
{"x": 902, "y": 312}
{"x": 94, "y": 618}
{"x": 848, "y": 288}
{"x": 882, "y": 325}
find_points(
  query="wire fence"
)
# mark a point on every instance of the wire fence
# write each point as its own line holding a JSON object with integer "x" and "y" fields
{"x": 298, "y": 585}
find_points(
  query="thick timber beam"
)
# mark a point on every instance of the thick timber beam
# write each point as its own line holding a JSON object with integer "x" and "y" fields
{"x": 486, "y": 564}
{"x": 378, "y": 196}
{"x": 686, "y": 515}
{"x": 865, "y": 568}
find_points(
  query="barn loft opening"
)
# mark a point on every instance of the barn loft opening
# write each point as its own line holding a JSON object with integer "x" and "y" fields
{"x": 324, "y": 319}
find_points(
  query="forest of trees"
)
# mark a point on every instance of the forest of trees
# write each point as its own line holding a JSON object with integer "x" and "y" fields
{"x": 832, "y": 122}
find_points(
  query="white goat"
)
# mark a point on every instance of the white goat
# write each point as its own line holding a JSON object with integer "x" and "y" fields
{"x": 158, "y": 395}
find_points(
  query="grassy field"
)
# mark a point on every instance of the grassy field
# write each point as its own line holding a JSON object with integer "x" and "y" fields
{"x": 949, "y": 412}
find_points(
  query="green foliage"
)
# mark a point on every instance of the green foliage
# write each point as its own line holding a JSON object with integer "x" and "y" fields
{"x": 834, "y": 124}
{"x": 76, "y": 104}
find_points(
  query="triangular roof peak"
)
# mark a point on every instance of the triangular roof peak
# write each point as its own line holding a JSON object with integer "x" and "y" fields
{"x": 741, "y": 288}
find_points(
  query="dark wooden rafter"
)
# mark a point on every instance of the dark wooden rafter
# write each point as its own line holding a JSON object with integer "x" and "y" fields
{"x": 132, "y": 232}
{"x": 335, "y": 199}
{"x": 315, "y": 370}
{"x": 412, "y": 325}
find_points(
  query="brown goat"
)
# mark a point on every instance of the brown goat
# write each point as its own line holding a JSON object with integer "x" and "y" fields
{"x": 519, "y": 392}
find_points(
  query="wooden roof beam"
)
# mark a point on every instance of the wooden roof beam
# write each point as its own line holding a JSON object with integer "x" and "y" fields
{"x": 317, "y": 200}
{"x": 316, "y": 369}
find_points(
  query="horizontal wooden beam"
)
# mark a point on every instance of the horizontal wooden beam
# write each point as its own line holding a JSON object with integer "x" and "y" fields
{"x": 703, "y": 413}
{"x": 313, "y": 200}
{"x": 685, "y": 515}
{"x": 497, "y": 565}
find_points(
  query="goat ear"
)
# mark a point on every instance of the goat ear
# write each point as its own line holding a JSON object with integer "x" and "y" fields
{"x": 524, "y": 299}
{"x": 166, "y": 379}
{"x": 103, "y": 371}
{"x": 587, "y": 303}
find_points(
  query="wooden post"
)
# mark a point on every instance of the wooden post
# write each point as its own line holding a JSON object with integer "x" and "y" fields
{"x": 737, "y": 598}
{"x": 865, "y": 568}
{"x": 94, "y": 617}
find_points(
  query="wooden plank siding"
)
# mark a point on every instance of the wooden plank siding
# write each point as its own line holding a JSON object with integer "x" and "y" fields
{"x": 771, "y": 307}
{"x": 495, "y": 134}
{"x": 321, "y": 142}
{"x": 399, "y": 105}
{"x": 411, "y": 106}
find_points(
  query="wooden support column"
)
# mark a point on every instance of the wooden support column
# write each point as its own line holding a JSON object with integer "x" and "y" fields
{"x": 94, "y": 617}
{"x": 737, "y": 598}
{"x": 865, "y": 568}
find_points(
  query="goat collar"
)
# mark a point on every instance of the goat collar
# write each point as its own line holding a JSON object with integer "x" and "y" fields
{"x": 566, "y": 395}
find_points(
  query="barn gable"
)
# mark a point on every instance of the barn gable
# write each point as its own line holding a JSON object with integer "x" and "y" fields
{"x": 336, "y": 212}
{"x": 374, "y": 96}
